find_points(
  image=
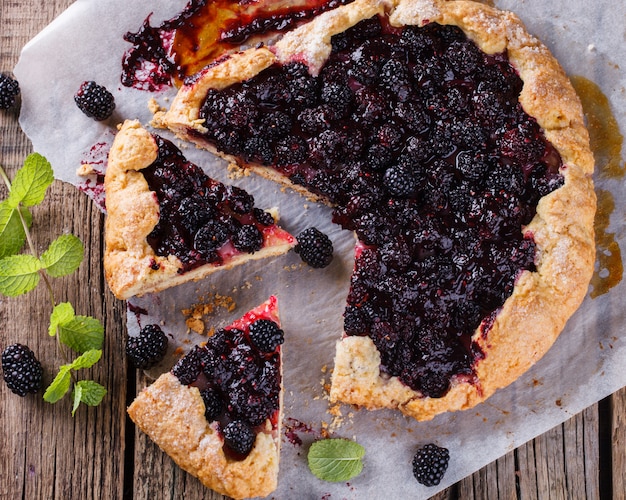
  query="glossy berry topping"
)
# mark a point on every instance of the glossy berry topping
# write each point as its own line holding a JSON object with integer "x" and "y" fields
{"x": 148, "y": 348}
{"x": 314, "y": 248}
{"x": 430, "y": 464}
{"x": 95, "y": 101}
{"x": 21, "y": 370}
{"x": 238, "y": 374}
{"x": 9, "y": 90}
{"x": 419, "y": 141}
{"x": 200, "y": 219}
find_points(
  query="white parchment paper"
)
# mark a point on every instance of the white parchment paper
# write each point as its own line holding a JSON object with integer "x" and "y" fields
{"x": 585, "y": 365}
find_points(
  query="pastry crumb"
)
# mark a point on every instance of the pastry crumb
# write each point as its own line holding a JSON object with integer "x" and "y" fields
{"x": 85, "y": 169}
{"x": 236, "y": 172}
{"x": 197, "y": 313}
{"x": 155, "y": 107}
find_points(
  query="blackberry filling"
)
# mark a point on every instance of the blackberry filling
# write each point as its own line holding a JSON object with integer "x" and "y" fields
{"x": 239, "y": 382}
{"x": 438, "y": 178}
{"x": 200, "y": 219}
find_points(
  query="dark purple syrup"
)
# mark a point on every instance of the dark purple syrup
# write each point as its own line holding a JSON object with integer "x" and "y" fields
{"x": 418, "y": 139}
{"x": 203, "y": 32}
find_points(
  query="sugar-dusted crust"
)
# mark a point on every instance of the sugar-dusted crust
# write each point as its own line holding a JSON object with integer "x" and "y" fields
{"x": 131, "y": 267}
{"x": 534, "y": 315}
{"x": 172, "y": 415}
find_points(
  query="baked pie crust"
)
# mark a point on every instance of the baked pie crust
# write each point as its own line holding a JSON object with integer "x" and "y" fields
{"x": 542, "y": 301}
{"x": 173, "y": 416}
{"x": 130, "y": 263}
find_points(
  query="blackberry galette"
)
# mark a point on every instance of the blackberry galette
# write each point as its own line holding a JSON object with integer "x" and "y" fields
{"x": 453, "y": 144}
{"x": 168, "y": 222}
{"x": 217, "y": 413}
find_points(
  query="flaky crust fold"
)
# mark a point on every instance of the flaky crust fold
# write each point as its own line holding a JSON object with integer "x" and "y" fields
{"x": 131, "y": 267}
{"x": 533, "y": 316}
{"x": 172, "y": 415}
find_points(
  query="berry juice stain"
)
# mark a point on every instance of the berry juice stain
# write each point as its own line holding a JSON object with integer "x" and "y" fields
{"x": 204, "y": 31}
{"x": 606, "y": 142}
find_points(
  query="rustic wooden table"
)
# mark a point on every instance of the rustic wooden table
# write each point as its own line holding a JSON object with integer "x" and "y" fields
{"x": 98, "y": 454}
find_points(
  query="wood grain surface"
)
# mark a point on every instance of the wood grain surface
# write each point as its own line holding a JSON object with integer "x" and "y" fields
{"x": 47, "y": 454}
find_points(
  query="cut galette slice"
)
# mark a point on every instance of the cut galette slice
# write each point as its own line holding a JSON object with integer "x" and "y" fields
{"x": 168, "y": 222}
{"x": 217, "y": 413}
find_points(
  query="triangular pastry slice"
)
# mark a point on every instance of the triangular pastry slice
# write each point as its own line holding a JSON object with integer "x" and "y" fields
{"x": 451, "y": 141}
{"x": 168, "y": 222}
{"x": 217, "y": 413}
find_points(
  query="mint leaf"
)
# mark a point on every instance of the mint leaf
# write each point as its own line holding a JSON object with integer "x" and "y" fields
{"x": 59, "y": 386}
{"x": 77, "y": 394}
{"x": 12, "y": 234}
{"x": 91, "y": 393}
{"x": 31, "y": 181}
{"x": 62, "y": 314}
{"x": 18, "y": 274}
{"x": 336, "y": 460}
{"x": 63, "y": 256}
{"x": 81, "y": 333}
{"x": 86, "y": 360}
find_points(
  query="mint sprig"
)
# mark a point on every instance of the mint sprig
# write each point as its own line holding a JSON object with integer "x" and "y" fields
{"x": 336, "y": 459}
{"x": 21, "y": 273}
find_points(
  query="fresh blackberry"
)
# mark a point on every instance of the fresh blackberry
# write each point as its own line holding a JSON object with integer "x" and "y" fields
{"x": 263, "y": 217}
{"x": 210, "y": 237}
{"x": 258, "y": 149}
{"x": 248, "y": 239}
{"x": 275, "y": 124}
{"x": 430, "y": 464}
{"x": 240, "y": 201}
{"x": 400, "y": 181}
{"x": 314, "y": 248}
{"x": 189, "y": 367}
{"x": 9, "y": 89}
{"x": 313, "y": 120}
{"x": 21, "y": 370}
{"x": 291, "y": 150}
{"x": 194, "y": 212}
{"x": 337, "y": 95}
{"x": 213, "y": 404}
{"x": 95, "y": 101}
{"x": 148, "y": 348}
{"x": 239, "y": 437}
{"x": 266, "y": 335}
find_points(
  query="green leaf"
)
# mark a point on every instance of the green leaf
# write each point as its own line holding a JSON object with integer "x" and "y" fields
{"x": 12, "y": 234}
{"x": 76, "y": 395}
{"x": 82, "y": 333}
{"x": 86, "y": 360}
{"x": 62, "y": 314}
{"x": 92, "y": 392}
{"x": 336, "y": 459}
{"x": 18, "y": 274}
{"x": 31, "y": 181}
{"x": 63, "y": 256}
{"x": 59, "y": 386}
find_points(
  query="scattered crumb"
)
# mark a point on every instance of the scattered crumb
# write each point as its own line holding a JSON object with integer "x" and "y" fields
{"x": 197, "y": 313}
{"x": 155, "y": 107}
{"x": 179, "y": 351}
{"x": 85, "y": 169}
{"x": 236, "y": 172}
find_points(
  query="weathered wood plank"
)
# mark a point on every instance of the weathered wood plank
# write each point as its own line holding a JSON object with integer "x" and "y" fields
{"x": 46, "y": 453}
{"x": 618, "y": 443}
